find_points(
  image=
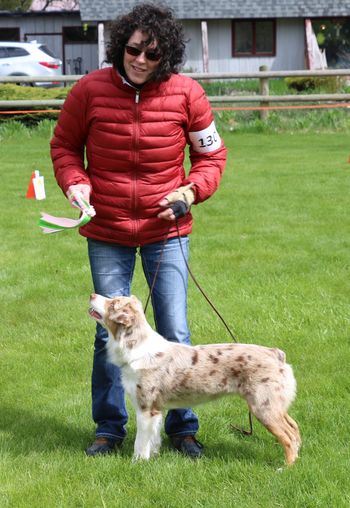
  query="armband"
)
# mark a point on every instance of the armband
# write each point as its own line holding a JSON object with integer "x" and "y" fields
{"x": 206, "y": 140}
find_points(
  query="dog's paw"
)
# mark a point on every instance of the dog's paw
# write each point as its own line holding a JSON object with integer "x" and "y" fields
{"x": 137, "y": 457}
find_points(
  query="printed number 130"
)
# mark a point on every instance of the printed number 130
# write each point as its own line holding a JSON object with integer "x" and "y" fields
{"x": 209, "y": 140}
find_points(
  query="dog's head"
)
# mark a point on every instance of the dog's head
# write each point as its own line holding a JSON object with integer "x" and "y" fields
{"x": 122, "y": 313}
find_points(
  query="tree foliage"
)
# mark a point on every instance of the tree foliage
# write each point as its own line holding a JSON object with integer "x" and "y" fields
{"x": 15, "y": 5}
{"x": 43, "y": 5}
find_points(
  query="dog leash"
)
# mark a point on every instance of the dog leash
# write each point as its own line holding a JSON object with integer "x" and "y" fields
{"x": 157, "y": 270}
{"x": 233, "y": 337}
{"x": 232, "y": 427}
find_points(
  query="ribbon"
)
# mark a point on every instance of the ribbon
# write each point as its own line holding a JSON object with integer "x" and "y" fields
{"x": 51, "y": 224}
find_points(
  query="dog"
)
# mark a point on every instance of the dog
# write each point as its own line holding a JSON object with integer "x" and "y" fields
{"x": 158, "y": 375}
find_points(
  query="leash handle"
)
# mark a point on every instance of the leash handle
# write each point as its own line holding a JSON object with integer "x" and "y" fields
{"x": 244, "y": 431}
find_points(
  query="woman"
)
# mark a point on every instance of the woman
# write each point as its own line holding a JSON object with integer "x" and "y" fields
{"x": 134, "y": 119}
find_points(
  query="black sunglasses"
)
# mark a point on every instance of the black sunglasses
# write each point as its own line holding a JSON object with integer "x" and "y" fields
{"x": 154, "y": 56}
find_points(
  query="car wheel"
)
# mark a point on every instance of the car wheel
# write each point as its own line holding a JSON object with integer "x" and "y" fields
{"x": 21, "y": 83}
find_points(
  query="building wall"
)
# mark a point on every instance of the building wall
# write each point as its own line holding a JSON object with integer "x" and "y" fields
{"x": 290, "y": 44}
{"x": 49, "y": 30}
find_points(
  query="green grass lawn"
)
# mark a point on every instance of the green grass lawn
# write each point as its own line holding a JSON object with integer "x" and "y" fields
{"x": 271, "y": 249}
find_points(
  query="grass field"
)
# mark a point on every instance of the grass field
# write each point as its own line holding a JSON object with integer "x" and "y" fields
{"x": 271, "y": 249}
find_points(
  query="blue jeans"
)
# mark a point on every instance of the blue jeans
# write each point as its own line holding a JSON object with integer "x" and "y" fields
{"x": 112, "y": 268}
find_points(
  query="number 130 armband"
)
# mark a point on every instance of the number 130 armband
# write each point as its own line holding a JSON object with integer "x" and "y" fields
{"x": 206, "y": 140}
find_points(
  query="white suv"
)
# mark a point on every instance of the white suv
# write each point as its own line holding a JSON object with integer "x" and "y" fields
{"x": 29, "y": 59}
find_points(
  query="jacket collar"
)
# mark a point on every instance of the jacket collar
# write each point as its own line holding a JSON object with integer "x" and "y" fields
{"x": 149, "y": 85}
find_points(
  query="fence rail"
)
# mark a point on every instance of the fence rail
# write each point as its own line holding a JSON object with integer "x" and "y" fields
{"x": 264, "y": 98}
{"x": 194, "y": 75}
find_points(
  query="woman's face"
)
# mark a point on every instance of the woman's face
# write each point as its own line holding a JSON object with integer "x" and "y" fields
{"x": 139, "y": 68}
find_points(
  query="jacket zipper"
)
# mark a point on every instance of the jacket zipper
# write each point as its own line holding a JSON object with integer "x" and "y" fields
{"x": 135, "y": 154}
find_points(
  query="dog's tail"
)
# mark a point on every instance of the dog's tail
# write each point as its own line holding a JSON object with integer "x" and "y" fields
{"x": 290, "y": 384}
{"x": 281, "y": 355}
{"x": 288, "y": 380}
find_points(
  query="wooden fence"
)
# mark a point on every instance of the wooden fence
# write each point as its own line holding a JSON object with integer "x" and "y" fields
{"x": 263, "y": 99}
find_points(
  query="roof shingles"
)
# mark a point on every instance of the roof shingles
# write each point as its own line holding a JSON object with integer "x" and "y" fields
{"x": 103, "y": 10}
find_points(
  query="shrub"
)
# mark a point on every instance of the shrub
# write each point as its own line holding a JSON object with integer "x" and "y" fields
{"x": 9, "y": 91}
{"x": 232, "y": 87}
{"x": 328, "y": 84}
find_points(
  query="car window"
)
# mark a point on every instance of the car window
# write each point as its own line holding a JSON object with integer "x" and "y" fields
{"x": 14, "y": 52}
{"x": 46, "y": 50}
{"x": 3, "y": 53}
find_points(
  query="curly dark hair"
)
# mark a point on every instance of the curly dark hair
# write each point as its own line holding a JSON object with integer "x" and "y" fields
{"x": 159, "y": 23}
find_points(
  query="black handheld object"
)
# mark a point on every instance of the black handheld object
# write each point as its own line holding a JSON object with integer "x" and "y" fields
{"x": 179, "y": 209}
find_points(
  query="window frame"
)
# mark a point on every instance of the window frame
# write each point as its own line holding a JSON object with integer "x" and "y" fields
{"x": 254, "y": 53}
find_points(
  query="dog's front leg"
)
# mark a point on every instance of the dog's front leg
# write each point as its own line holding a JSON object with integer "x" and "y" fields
{"x": 156, "y": 428}
{"x": 147, "y": 438}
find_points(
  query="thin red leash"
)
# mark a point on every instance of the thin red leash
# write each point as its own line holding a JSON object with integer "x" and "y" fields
{"x": 156, "y": 272}
{"x": 233, "y": 337}
{"x": 233, "y": 427}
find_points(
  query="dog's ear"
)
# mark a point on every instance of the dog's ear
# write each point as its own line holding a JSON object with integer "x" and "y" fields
{"x": 123, "y": 315}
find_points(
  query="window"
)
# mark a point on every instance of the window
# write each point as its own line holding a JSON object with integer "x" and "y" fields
{"x": 80, "y": 34}
{"x": 9, "y": 34}
{"x": 254, "y": 38}
{"x": 47, "y": 51}
{"x": 14, "y": 52}
{"x": 333, "y": 37}
{"x": 8, "y": 52}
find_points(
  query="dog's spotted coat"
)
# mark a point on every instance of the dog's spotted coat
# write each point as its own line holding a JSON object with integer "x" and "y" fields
{"x": 158, "y": 374}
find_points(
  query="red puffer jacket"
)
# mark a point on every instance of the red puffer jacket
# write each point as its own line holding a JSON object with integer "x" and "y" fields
{"x": 135, "y": 142}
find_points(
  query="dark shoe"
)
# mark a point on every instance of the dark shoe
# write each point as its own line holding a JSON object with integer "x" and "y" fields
{"x": 102, "y": 446}
{"x": 188, "y": 445}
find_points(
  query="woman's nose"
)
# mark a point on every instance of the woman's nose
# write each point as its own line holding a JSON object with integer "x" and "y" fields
{"x": 141, "y": 57}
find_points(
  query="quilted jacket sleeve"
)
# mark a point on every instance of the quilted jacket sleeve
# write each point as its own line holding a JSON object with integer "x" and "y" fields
{"x": 67, "y": 144}
{"x": 207, "y": 150}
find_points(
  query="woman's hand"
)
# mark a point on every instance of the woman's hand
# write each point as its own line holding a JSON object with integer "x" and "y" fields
{"x": 79, "y": 197}
{"x": 177, "y": 203}
{"x": 73, "y": 192}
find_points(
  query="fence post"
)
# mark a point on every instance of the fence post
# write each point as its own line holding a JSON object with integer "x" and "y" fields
{"x": 264, "y": 90}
